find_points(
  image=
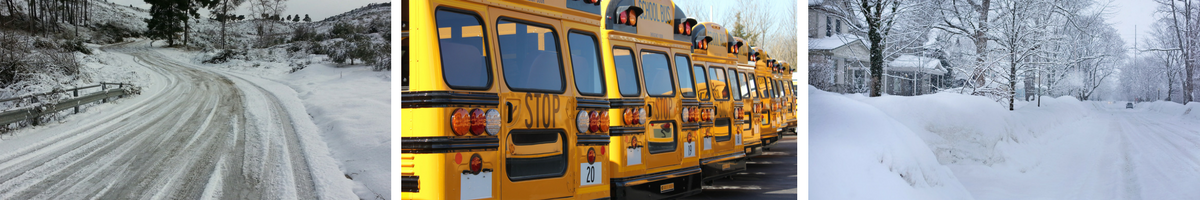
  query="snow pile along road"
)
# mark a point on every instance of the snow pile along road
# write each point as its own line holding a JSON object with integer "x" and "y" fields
{"x": 1064, "y": 149}
{"x": 858, "y": 152}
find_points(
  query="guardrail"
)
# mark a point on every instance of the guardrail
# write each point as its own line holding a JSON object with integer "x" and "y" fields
{"x": 31, "y": 113}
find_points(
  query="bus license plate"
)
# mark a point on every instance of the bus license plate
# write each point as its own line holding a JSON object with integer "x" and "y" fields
{"x": 665, "y": 188}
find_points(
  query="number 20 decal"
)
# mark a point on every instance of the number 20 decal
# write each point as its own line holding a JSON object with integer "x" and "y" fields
{"x": 590, "y": 172}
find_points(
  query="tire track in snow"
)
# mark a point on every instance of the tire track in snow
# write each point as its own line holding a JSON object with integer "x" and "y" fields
{"x": 191, "y": 135}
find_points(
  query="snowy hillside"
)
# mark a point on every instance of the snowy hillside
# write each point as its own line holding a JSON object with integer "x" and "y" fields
{"x": 1064, "y": 149}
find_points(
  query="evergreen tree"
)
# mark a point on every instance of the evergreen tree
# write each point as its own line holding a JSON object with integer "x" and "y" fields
{"x": 165, "y": 18}
{"x": 306, "y": 19}
{"x": 289, "y": 18}
{"x": 296, "y": 18}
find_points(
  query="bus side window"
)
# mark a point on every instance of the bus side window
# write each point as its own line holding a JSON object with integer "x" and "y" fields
{"x": 701, "y": 82}
{"x": 463, "y": 52}
{"x": 585, "y": 63}
{"x": 626, "y": 72}
{"x": 684, "y": 73}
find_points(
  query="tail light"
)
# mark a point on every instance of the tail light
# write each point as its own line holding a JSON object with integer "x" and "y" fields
{"x": 583, "y": 121}
{"x": 629, "y": 116}
{"x": 695, "y": 114}
{"x": 687, "y": 117}
{"x": 641, "y": 115}
{"x": 593, "y": 122}
{"x": 460, "y": 122}
{"x": 603, "y": 121}
{"x": 635, "y": 116}
{"x": 478, "y": 122}
{"x": 493, "y": 121}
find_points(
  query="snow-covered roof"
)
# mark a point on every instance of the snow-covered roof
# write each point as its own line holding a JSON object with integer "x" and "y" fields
{"x": 833, "y": 42}
{"x": 913, "y": 63}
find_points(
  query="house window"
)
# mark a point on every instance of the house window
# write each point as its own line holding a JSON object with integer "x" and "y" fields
{"x": 839, "y": 26}
{"x": 828, "y": 26}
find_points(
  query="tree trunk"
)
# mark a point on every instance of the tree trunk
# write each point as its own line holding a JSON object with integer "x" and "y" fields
{"x": 224, "y": 19}
{"x": 876, "y": 58}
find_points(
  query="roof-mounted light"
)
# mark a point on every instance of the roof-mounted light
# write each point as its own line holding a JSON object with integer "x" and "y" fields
{"x": 684, "y": 26}
{"x": 701, "y": 43}
{"x": 628, "y": 15}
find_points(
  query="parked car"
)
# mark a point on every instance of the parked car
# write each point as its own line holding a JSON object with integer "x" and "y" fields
{"x": 1129, "y": 105}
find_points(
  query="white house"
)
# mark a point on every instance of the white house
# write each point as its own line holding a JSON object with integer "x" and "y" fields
{"x": 838, "y": 57}
{"x": 912, "y": 75}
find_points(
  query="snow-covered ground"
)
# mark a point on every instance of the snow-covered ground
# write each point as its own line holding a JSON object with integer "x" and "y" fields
{"x": 351, "y": 106}
{"x": 1065, "y": 149}
{"x": 192, "y": 134}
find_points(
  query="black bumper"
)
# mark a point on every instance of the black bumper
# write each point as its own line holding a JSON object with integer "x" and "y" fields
{"x": 769, "y": 140}
{"x": 722, "y": 166}
{"x": 686, "y": 183}
{"x": 753, "y": 150}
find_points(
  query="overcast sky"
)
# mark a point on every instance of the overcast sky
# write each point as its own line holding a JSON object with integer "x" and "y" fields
{"x": 317, "y": 9}
{"x": 1130, "y": 13}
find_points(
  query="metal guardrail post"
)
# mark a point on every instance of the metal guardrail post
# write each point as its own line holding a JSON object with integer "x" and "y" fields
{"x": 103, "y": 87}
{"x": 76, "y": 95}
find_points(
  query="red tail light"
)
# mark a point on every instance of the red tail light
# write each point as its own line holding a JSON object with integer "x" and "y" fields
{"x": 593, "y": 122}
{"x": 460, "y": 122}
{"x": 632, "y": 116}
{"x": 478, "y": 122}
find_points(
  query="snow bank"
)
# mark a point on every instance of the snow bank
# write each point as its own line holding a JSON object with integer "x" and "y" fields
{"x": 859, "y": 152}
{"x": 1191, "y": 110}
{"x": 966, "y": 129}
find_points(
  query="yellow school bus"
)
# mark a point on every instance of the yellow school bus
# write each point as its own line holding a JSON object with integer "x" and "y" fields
{"x": 721, "y": 154}
{"x": 789, "y": 98}
{"x": 645, "y": 42}
{"x": 745, "y": 99}
{"x": 764, "y": 76}
{"x": 504, "y": 100}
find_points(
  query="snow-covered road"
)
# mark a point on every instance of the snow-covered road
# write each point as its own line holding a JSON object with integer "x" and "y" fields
{"x": 191, "y": 134}
{"x": 1161, "y": 154}
{"x": 1112, "y": 153}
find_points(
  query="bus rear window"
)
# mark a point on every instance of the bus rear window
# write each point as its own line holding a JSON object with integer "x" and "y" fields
{"x": 685, "y": 76}
{"x": 536, "y": 154}
{"x": 701, "y": 82}
{"x": 464, "y": 57}
{"x": 585, "y": 64}
{"x": 720, "y": 87}
{"x": 656, "y": 70}
{"x": 734, "y": 83}
{"x": 626, "y": 72}
{"x": 529, "y": 55}
{"x": 662, "y": 137}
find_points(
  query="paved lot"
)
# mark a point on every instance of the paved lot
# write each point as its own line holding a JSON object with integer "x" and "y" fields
{"x": 769, "y": 176}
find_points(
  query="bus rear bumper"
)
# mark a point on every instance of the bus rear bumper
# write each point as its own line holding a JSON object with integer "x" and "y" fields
{"x": 753, "y": 150}
{"x": 723, "y": 166}
{"x": 769, "y": 139}
{"x": 663, "y": 185}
